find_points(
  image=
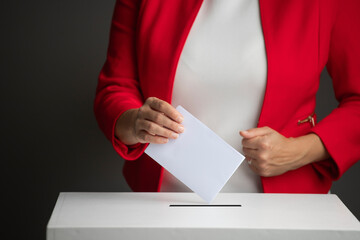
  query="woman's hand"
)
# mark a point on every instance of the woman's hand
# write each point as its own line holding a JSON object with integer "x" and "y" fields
{"x": 269, "y": 153}
{"x": 155, "y": 122}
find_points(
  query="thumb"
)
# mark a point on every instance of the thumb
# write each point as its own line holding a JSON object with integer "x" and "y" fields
{"x": 254, "y": 132}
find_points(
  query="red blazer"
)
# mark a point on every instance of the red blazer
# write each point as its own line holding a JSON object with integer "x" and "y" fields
{"x": 301, "y": 37}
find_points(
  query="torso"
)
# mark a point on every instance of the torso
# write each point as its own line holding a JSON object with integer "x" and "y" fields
{"x": 221, "y": 79}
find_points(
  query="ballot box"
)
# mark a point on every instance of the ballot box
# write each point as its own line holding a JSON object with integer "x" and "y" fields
{"x": 105, "y": 216}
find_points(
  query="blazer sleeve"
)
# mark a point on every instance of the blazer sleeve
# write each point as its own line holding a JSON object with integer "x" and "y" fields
{"x": 118, "y": 86}
{"x": 340, "y": 130}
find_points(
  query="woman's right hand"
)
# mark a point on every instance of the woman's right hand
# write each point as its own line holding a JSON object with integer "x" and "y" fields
{"x": 155, "y": 122}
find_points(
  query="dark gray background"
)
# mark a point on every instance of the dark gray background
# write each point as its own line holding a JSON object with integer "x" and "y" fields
{"x": 51, "y": 54}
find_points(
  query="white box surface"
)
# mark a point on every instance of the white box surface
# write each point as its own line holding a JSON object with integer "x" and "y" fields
{"x": 110, "y": 216}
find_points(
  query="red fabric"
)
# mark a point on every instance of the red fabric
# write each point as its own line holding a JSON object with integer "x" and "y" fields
{"x": 301, "y": 37}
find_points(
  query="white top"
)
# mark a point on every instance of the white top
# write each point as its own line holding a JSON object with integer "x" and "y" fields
{"x": 221, "y": 79}
{"x": 109, "y": 216}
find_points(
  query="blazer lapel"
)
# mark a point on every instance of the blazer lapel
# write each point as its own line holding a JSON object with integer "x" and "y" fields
{"x": 165, "y": 27}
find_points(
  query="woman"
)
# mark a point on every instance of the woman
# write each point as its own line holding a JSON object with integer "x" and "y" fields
{"x": 250, "y": 71}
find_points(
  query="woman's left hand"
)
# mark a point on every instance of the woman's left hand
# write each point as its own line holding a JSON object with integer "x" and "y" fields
{"x": 269, "y": 153}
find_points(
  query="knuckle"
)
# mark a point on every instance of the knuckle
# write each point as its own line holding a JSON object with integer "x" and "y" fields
{"x": 150, "y": 127}
{"x": 261, "y": 166}
{"x": 174, "y": 126}
{"x": 157, "y": 117}
{"x": 166, "y": 134}
{"x": 262, "y": 157}
{"x": 141, "y": 137}
{"x": 265, "y": 145}
{"x": 146, "y": 138}
{"x": 142, "y": 124}
{"x": 150, "y": 99}
{"x": 140, "y": 112}
{"x": 152, "y": 102}
{"x": 160, "y": 104}
{"x": 169, "y": 134}
{"x": 157, "y": 140}
{"x": 137, "y": 123}
{"x": 246, "y": 153}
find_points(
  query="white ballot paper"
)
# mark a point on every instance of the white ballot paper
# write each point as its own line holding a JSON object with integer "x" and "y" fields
{"x": 198, "y": 157}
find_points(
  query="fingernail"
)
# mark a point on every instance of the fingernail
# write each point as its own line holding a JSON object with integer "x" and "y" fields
{"x": 180, "y": 119}
{"x": 181, "y": 129}
{"x": 174, "y": 135}
{"x": 165, "y": 140}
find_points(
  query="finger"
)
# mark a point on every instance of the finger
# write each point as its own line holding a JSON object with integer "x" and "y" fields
{"x": 254, "y": 132}
{"x": 252, "y": 143}
{"x": 145, "y": 137}
{"x": 164, "y": 107}
{"x": 162, "y": 120}
{"x": 250, "y": 153}
{"x": 154, "y": 129}
{"x": 253, "y": 167}
{"x": 252, "y": 163}
{"x": 249, "y": 160}
{"x": 257, "y": 164}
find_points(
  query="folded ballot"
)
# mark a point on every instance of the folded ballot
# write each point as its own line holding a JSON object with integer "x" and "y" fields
{"x": 198, "y": 157}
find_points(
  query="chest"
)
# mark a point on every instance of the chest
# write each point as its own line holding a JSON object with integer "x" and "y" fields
{"x": 296, "y": 38}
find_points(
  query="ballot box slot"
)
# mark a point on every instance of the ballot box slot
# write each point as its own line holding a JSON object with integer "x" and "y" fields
{"x": 204, "y": 205}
